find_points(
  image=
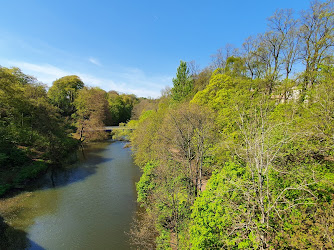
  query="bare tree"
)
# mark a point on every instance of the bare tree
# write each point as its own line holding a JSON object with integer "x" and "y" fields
{"x": 316, "y": 35}
{"x": 194, "y": 68}
{"x": 263, "y": 199}
{"x": 187, "y": 135}
{"x": 253, "y": 63}
{"x": 285, "y": 25}
{"x": 219, "y": 59}
{"x": 143, "y": 232}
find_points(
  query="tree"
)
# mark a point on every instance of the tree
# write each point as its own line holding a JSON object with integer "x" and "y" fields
{"x": 120, "y": 106}
{"x": 32, "y": 133}
{"x": 92, "y": 113}
{"x": 63, "y": 93}
{"x": 320, "y": 112}
{"x": 177, "y": 141}
{"x": 271, "y": 161}
{"x": 254, "y": 65}
{"x": 267, "y": 54}
{"x": 186, "y": 136}
{"x": 286, "y": 27}
{"x": 219, "y": 59}
{"x": 182, "y": 84}
{"x": 143, "y": 105}
{"x": 21, "y": 77}
{"x": 317, "y": 38}
{"x": 246, "y": 198}
{"x": 235, "y": 67}
{"x": 202, "y": 79}
{"x": 273, "y": 168}
{"x": 145, "y": 136}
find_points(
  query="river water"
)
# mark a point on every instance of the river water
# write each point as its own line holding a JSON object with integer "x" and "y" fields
{"x": 87, "y": 206}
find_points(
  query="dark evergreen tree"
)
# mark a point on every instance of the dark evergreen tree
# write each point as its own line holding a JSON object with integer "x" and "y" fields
{"x": 183, "y": 83}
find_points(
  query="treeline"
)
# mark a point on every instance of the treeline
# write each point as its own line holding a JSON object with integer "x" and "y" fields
{"x": 90, "y": 109}
{"x": 240, "y": 154}
{"x": 39, "y": 128}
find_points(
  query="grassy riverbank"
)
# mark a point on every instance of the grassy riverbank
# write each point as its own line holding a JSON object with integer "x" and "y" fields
{"x": 17, "y": 177}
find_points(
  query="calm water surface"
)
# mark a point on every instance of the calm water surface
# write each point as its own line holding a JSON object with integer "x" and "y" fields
{"x": 90, "y": 207}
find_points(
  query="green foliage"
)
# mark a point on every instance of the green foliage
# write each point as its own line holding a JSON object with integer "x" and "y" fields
{"x": 146, "y": 132}
{"x": 30, "y": 129}
{"x": 146, "y": 184}
{"x": 31, "y": 171}
{"x": 235, "y": 67}
{"x": 92, "y": 114}
{"x": 202, "y": 79}
{"x": 120, "y": 107}
{"x": 4, "y": 188}
{"x": 225, "y": 91}
{"x": 274, "y": 162}
{"x": 182, "y": 84}
{"x": 213, "y": 217}
{"x": 272, "y": 155}
{"x": 121, "y": 134}
{"x": 63, "y": 93}
{"x": 309, "y": 227}
{"x": 163, "y": 241}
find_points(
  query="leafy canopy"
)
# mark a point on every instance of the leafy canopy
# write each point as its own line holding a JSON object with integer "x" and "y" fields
{"x": 63, "y": 93}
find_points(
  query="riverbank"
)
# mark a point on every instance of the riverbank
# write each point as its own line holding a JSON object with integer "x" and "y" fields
{"x": 19, "y": 178}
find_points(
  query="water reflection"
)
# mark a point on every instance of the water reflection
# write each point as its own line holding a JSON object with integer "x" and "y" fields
{"x": 86, "y": 166}
{"x": 90, "y": 207}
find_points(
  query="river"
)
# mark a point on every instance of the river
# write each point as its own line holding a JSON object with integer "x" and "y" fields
{"x": 90, "y": 205}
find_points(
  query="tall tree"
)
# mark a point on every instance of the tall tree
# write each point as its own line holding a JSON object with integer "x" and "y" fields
{"x": 317, "y": 38}
{"x": 64, "y": 92}
{"x": 92, "y": 113}
{"x": 186, "y": 136}
{"x": 285, "y": 26}
{"x": 183, "y": 83}
{"x": 255, "y": 67}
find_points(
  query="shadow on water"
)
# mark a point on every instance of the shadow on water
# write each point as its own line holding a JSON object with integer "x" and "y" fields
{"x": 87, "y": 164}
{"x": 60, "y": 176}
{"x": 12, "y": 239}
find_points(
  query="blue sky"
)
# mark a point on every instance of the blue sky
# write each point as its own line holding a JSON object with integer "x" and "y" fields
{"x": 127, "y": 46}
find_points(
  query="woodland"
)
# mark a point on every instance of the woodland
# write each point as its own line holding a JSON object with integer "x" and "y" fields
{"x": 237, "y": 155}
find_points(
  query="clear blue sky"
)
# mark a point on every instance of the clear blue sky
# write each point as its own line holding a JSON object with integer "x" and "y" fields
{"x": 127, "y": 46}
